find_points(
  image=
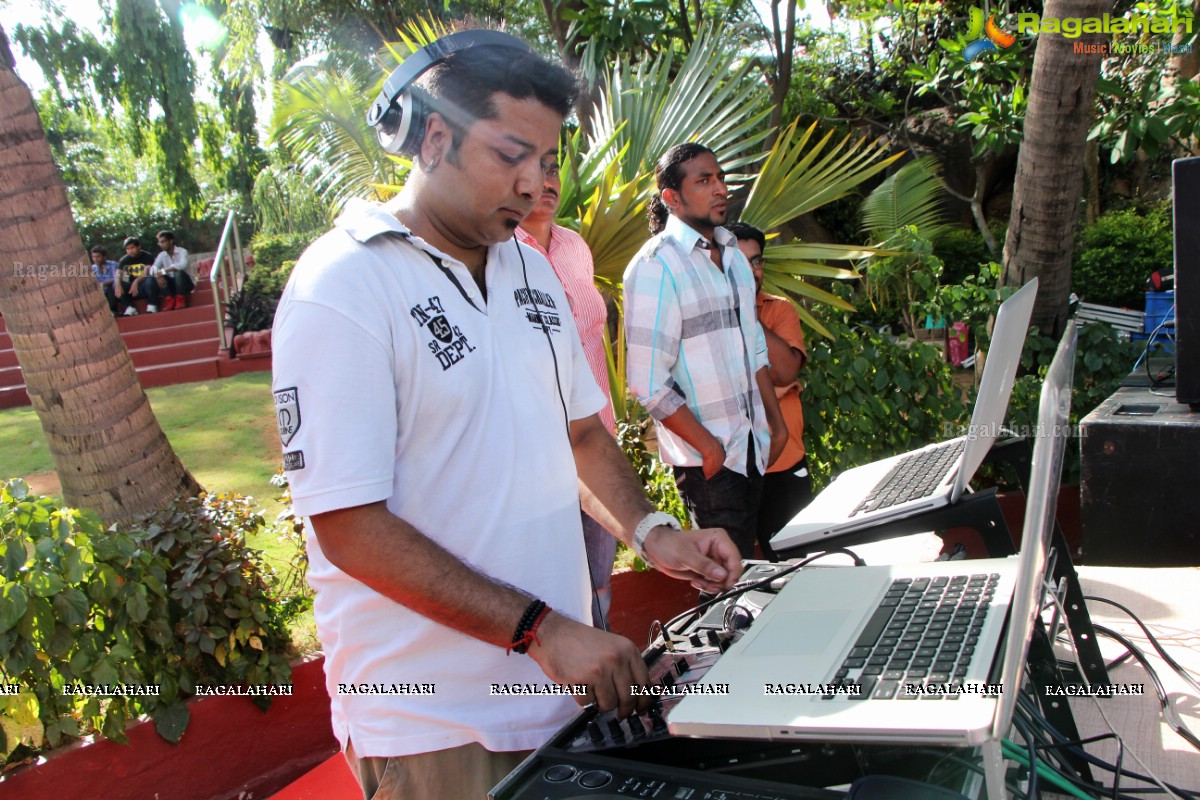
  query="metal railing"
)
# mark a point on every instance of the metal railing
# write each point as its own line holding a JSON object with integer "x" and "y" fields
{"x": 228, "y": 274}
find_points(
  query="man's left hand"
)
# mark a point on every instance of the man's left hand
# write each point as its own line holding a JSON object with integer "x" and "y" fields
{"x": 706, "y": 558}
{"x": 779, "y": 438}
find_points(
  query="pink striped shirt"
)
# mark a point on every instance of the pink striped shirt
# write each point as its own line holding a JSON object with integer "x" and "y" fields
{"x": 572, "y": 262}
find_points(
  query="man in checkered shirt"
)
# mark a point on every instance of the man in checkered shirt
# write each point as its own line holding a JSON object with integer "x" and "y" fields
{"x": 697, "y": 355}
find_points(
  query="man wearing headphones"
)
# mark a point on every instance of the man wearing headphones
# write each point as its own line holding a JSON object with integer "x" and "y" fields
{"x": 439, "y": 426}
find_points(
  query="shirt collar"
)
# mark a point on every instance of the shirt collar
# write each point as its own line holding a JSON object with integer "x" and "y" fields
{"x": 364, "y": 221}
{"x": 688, "y": 237}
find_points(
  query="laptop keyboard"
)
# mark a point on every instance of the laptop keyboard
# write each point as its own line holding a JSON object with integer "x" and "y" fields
{"x": 915, "y": 476}
{"x": 923, "y": 632}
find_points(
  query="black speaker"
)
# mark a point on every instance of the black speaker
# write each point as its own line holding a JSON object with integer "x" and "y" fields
{"x": 1185, "y": 179}
{"x": 1139, "y": 481}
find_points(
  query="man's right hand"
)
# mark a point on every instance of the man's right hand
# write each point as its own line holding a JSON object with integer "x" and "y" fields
{"x": 570, "y": 653}
{"x": 714, "y": 458}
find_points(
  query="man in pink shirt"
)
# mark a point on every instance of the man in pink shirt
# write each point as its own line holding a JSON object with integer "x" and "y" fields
{"x": 571, "y": 259}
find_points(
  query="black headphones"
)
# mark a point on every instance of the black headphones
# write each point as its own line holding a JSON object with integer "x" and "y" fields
{"x": 397, "y": 115}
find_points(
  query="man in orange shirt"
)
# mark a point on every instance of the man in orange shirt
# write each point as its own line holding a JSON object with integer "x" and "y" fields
{"x": 787, "y": 486}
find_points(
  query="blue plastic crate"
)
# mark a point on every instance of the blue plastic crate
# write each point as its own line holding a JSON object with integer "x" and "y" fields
{"x": 1160, "y": 307}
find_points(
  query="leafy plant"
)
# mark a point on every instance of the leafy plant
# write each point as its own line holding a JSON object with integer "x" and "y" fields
{"x": 285, "y": 202}
{"x": 973, "y": 301}
{"x": 319, "y": 117}
{"x": 867, "y": 396}
{"x": 905, "y": 285}
{"x": 272, "y": 250}
{"x": 249, "y": 311}
{"x": 1117, "y": 253}
{"x": 963, "y": 251}
{"x": 650, "y": 105}
{"x": 658, "y": 480}
{"x": 176, "y": 601}
{"x": 911, "y": 196}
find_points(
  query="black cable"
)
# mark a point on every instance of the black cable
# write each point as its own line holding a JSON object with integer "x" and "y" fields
{"x": 1075, "y": 746}
{"x": 1027, "y": 735}
{"x": 950, "y": 757}
{"x": 1179, "y": 670}
{"x": 566, "y": 417}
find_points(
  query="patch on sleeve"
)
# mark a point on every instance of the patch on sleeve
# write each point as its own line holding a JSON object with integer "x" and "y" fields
{"x": 293, "y": 460}
{"x": 287, "y": 414}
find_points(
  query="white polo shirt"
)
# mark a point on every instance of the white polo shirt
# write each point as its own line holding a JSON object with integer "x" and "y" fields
{"x": 394, "y": 382}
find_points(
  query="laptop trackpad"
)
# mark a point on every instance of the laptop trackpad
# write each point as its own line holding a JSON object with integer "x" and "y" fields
{"x": 798, "y": 633}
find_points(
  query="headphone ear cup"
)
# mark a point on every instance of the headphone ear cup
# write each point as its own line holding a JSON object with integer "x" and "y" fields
{"x": 395, "y": 129}
{"x": 415, "y": 113}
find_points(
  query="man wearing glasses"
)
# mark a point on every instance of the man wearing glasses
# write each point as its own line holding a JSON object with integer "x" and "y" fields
{"x": 787, "y": 485}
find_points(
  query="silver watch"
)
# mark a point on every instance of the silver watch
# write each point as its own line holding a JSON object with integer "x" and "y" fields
{"x": 649, "y": 523}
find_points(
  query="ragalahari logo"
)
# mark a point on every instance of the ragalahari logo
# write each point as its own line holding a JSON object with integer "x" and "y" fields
{"x": 980, "y": 43}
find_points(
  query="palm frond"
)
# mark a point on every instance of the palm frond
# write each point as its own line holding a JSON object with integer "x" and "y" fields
{"x": 800, "y": 175}
{"x": 319, "y": 117}
{"x": 650, "y": 106}
{"x": 613, "y": 221}
{"x": 911, "y": 196}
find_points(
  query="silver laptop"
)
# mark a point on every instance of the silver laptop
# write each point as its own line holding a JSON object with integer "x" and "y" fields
{"x": 899, "y": 634}
{"x": 930, "y": 477}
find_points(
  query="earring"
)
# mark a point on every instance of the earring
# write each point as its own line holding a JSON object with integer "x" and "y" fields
{"x": 432, "y": 165}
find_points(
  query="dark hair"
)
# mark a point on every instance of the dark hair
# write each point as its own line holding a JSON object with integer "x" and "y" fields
{"x": 166, "y": 235}
{"x": 668, "y": 174}
{"x": 100, "y": 250}
{"x": 744, "y": 230}
{"x": 462, "y": 87}
{"x": 131, "y": 240}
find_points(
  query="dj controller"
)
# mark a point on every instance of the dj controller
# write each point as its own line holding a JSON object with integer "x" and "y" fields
{"x": 598, "y": 756}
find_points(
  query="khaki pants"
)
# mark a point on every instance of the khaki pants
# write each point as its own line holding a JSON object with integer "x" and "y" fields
{"x": 460, "y": 773}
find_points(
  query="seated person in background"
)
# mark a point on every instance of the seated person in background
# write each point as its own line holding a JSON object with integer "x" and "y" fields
{"x": 170, "y": 270}
{"x": 571, "y": 260}
{"x": 105, "y": 270}
{"x": 787, "y": 486}
{"x": 135, "y": 276}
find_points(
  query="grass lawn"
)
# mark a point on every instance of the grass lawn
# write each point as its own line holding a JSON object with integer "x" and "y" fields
{"x": 223, "y": 431}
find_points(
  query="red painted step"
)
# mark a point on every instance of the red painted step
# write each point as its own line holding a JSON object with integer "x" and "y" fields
{"x": 11, "y": 376}
{"x": 13, "y": 396}
{"x": 174, "y": 352}
{"x": 167, "y": 347}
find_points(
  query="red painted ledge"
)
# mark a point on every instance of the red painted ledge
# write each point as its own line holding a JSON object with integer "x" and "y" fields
{"x": 230, "y": 750}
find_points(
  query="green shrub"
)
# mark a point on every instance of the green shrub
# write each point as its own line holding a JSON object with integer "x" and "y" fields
{"x": 658, "y": 480}
{"x": 867, "y": 397}
{"x": 1116, "y": 254}
{"x": 268, "y": 283}
{"x": 250, "y": 310}
{"x": 272, "y": 251}
{"x": 176, "y": 601}
{"x": 973, "y": 300}
{"x": 963, "y": 252}
{"x": 109, "y": 226}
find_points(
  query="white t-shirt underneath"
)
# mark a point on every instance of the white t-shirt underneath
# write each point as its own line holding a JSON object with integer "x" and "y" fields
{"x": 390, "y": 385}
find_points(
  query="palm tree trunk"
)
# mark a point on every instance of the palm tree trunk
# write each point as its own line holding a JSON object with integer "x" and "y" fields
{"x": 109, "y": 452}
{"x": 1050, "y": 165}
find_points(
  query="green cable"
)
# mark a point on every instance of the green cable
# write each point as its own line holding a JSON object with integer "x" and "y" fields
{"x": 1021, "y": 756}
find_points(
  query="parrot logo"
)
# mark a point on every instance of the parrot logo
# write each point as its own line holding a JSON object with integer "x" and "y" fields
{"x": 981, "y": 44}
